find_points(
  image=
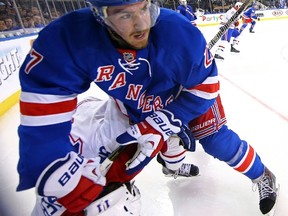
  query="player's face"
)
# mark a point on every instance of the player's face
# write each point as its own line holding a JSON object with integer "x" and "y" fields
{"x": 183, "y": 2}
{"x": 131, "y": 22}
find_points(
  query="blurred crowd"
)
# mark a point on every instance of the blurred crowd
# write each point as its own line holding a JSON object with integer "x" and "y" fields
{"x": 30, "y": 14}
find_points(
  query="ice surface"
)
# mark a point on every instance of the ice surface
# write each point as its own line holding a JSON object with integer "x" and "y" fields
{"x": 254, "y": 93}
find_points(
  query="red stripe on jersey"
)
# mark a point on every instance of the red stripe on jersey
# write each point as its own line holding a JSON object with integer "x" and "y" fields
{"x": 247, "y": 161}
{"x": 211, "y": 88}
{"x": 173, "y": 156}
{"x": 37, "y": 109}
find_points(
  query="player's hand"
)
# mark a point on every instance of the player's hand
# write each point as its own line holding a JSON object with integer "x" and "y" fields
{"x": 187, "y": 138}
{"x": 151, "y": 135}
{"x": 74, "y": 181}
{"x": 87, "y": 189}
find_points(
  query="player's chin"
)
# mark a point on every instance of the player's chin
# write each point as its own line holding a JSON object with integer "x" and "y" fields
{"x": 139, "y": 40}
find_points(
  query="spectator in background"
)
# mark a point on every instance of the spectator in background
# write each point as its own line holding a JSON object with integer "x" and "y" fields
{"x": 35, "y": 11}
{"x": 29, "y": 13}
{"x": 23, "y": 12}
{"x": 28, "y": 22}
{"x": 187, "y": 11}
{"x": 25, "y": 22}
{"x": 55, "y": 14}
{"x": 38, "y": 22}
{"x": 11, "y": 24}
{"x": 2, "y": 26}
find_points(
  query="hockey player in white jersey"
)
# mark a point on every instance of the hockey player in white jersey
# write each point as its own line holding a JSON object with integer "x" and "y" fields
{"x": 95, "y": 135}
{"x": 231, "y": 32}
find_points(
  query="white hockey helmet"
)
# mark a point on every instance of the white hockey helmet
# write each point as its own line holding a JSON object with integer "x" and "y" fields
{"x": 125, "y": 200}
{"x": 238, "y": 5}
{"x": 183, "y": 2}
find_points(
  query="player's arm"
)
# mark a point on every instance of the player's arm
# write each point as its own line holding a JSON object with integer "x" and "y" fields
{"x": 192, "y": 12}
{"x": 255, "y": 17}
{"x": 200, "y": 84}
{"x": 200, "y": 88}
{"x": 181, "y": 10}
{"x": 50, "y": 81}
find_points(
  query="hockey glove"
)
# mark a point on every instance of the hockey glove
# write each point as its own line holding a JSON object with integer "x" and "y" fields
{"x": 187, "y": 138}
{"x": 74, "y": 181}
{"x": 151, "y": 135}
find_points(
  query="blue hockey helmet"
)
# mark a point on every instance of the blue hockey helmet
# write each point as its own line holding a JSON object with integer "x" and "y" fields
{"x": 253, "y": 4}
{"x": 99, "y": 8}
{"x": 107, "y": 3}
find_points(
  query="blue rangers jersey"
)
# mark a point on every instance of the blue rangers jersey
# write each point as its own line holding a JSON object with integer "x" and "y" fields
{"x": 176, "y": 71}
{"x": 250, "y": 13}
{"x": 187, "y": 12}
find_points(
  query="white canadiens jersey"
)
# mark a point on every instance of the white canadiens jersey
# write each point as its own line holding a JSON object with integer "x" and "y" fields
{"x": 97, "y": 125}
{"x": 229, "y": 14}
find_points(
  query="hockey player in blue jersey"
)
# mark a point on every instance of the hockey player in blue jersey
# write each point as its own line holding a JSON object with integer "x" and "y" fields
{"x": 187, "y": 11}
{"x": 156, "y": 89}
{"x": 249, "y": 16}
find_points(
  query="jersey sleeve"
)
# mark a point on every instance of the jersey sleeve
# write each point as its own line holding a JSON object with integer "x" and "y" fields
{"x": 253, "y": 15}
{"x": 181, "y": 10}
{"x": 50, "y": 79}
{"x": 199, "y": 80}
{"x": 193, "y": 15}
